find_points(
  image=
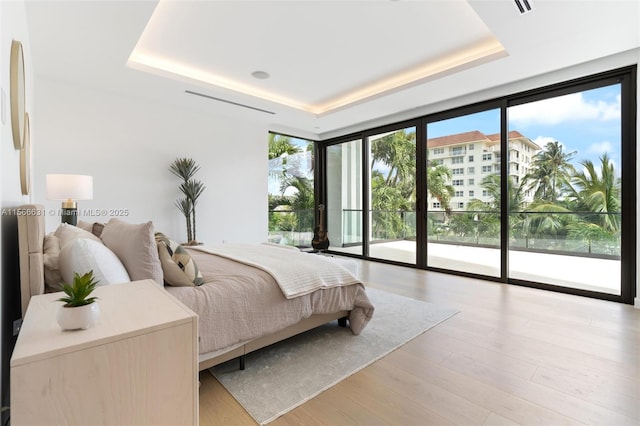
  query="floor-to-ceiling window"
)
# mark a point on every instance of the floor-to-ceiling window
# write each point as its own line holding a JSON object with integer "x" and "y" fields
{"x": 463, "y": 193}
{"x": 392, "y": 195}
{"x": 291, "y": 190}
{"x": 565, "y": 222}
{"x": 536, "y": 188}
{"x": 345, "y": 197}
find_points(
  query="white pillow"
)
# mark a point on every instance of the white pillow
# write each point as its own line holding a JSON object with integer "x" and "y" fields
{"x": 83, "y": 255}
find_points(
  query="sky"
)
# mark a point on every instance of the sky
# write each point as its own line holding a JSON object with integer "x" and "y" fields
{"x": 587, "y": 122}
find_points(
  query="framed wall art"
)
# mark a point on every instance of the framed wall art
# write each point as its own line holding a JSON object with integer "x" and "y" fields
{"x": 17, "y": 95}
{"x": 25, "y": 158}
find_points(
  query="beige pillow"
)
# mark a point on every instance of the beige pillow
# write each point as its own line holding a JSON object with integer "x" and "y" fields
{"x": 51, "y": 256}
{"x": 67, "y": 233}
{"x": 135, "y": 246}
{"x": 84, "y": 225}
{"x": 179, "y": 269}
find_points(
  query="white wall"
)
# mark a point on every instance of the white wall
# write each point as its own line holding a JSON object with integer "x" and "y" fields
{"x": 127, "y": 144}
{"x": 13, "y": 25}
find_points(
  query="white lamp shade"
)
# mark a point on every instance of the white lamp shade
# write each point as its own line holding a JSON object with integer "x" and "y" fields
{"x": 69, "y": 187}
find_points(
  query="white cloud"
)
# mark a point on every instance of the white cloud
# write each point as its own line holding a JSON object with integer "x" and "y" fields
{"x": 599, "y": 148}
{"x": 610, "y": 111}
{"x": 541, "y": 141}
{"x": 562, "y": 109}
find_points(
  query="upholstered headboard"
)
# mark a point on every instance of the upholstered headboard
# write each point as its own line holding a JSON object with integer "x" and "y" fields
{"x": 31, "y": 231}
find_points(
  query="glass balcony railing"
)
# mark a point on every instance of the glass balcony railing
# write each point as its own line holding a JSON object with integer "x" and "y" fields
{"x": 573, "y": 233}
{"x": 291, "y": 227}
{"x": 569, "y": 233}
{"x": 392, "y": 225}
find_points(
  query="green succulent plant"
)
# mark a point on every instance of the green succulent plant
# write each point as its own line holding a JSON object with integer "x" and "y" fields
{"x": 78, "y": 293}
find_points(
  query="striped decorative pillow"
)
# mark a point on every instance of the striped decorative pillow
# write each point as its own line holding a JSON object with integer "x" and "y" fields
{"x": 180, "y": 270}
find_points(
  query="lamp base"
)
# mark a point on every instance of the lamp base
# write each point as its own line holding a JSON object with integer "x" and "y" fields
{"x": 70, "y": 216}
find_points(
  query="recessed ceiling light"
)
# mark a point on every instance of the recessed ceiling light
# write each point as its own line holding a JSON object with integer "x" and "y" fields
{"x": 260, "y": 75}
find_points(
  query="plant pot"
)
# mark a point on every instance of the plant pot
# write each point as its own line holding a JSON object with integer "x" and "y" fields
{"x": 79, "y": 317}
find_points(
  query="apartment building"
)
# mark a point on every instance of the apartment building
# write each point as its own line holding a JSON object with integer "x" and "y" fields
{"x": 472, "y": 156}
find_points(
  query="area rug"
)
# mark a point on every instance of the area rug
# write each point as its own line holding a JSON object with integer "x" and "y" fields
{"x": 283, "y": 376}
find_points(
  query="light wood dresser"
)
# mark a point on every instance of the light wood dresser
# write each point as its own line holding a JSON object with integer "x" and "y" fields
{"x": 137, "y": 366}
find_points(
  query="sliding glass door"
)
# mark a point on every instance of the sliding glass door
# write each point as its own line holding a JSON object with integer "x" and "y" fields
{"x": 535, "y": 189}
{"x": 464, "y": 193}
{"x": 565, "y": 222}
{"x": 392, "y": 195}
{"x": 345, "y": 197}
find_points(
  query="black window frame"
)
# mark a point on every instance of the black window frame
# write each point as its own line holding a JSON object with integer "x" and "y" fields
{"x": 627, "y": 76}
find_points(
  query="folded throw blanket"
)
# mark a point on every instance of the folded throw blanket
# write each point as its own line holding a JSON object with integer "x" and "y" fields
{"x": 296, "y": 273}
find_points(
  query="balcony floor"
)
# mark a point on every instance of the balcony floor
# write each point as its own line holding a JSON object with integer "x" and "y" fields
{"x": 586, "y": 273}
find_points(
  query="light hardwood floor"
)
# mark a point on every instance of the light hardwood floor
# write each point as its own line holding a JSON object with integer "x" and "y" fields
{"x": 513, "y": 355}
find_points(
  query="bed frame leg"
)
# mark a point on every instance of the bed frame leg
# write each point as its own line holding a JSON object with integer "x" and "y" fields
{"x": 241, "y": 359}
{"x": 342, "y": 322}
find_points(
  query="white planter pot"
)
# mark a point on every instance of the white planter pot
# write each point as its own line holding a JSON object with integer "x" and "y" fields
{"x": 80, "y": 317}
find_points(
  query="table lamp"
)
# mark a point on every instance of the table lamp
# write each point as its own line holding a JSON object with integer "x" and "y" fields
{"x": 69, "y": 189}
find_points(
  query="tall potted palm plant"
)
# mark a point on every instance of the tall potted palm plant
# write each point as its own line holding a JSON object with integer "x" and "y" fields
{"x": 185, "y": 169}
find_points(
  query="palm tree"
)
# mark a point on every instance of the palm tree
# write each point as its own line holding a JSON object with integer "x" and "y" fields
{"x": 464, "y": 224}
{"x": 439, "y": 185}
{"x": 597, "y": 191}
{"x": 302, "y": 200}
{"x": 397, "y": 150}
{"x": 544, "y": 219}
{"x": 393, "y": 191}
{"x": 591, "y": 232}
{"x": 386, "y": 201}
{"x": 489, "y": 212}
{"x": 279, "y": 145}
{"x": 551, "y": 170}
{"x": 291, "y": 167}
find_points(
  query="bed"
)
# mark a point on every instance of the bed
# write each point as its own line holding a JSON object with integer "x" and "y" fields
{"x": 240, "y": 305}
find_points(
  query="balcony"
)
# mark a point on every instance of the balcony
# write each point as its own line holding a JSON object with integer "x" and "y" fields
{"x": 468, "y": 242}
{"x": 291, "y": 227}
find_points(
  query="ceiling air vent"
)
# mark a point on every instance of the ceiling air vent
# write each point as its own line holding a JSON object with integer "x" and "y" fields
{"x": 228, "y": 102}
{"x": 523, "y": 6}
